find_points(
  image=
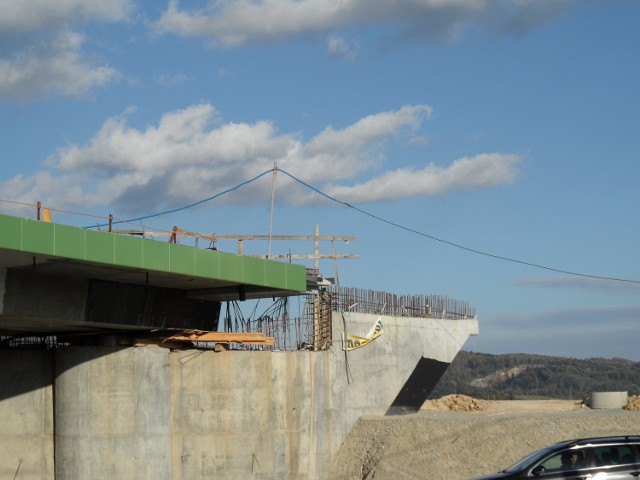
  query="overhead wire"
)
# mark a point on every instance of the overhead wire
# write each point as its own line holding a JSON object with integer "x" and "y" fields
{"x": 456, "y": 245}
{"x": 14, "y": 202}
{"x": 380, "y": 219}
{"x": 185, "y": 207}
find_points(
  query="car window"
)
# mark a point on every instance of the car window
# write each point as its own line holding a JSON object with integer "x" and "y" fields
{"x": 523, "y": 463}
{"x": 553, "y": 463}
{"x": 566, "y": 460}
{"x": 614, "y": 455}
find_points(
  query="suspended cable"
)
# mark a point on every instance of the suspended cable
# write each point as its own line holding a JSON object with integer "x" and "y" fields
{"x": 166, "y": 212}
{"x": 456, "y": 245}
{"x": 375, "y": 217}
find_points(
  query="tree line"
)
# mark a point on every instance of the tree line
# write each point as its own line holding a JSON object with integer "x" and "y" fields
{"x": 527, "y": 376}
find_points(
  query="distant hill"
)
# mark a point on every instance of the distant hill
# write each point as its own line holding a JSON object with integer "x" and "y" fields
{"x": 522, "y": 376}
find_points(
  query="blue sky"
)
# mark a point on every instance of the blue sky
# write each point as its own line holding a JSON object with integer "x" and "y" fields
{"x": 508, "y": 129}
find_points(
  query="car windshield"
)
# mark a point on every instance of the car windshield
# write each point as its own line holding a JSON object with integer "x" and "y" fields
{"x": 528, "y": 460}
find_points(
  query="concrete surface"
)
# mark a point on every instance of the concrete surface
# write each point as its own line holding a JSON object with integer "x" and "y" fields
{"x": 112, "y": 413}
{"x": 152, "y": 413}
{"x": 26, "y": 415}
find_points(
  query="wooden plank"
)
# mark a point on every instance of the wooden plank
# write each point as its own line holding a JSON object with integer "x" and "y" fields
{"x": 224, "y": 337}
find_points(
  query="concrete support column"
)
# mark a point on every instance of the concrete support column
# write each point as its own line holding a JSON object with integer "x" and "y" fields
{"x": 112, "y": 413}
{"x": 26, "y": 414}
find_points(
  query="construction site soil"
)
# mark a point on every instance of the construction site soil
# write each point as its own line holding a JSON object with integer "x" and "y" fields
{"x": 458, "y": 437}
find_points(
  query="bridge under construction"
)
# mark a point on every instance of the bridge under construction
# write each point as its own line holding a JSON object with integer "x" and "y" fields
{"x": 121, "y": 360}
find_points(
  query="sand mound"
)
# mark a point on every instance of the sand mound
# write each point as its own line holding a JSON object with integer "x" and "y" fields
{"x": 455, "y": 403}
{"x": 450, "y": 445}
{"x": 633, "y": 404}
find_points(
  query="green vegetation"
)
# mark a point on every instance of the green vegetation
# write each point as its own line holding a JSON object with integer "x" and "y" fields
{"x": 524, "y": 376}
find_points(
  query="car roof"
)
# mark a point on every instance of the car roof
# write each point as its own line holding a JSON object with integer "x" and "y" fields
{"x": 599, "y": 440}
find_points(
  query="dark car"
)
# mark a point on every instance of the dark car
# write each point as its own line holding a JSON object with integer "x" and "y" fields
{"x": 610, "y": 458}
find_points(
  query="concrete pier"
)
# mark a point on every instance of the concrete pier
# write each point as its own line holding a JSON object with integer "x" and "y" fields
{"x": 26, "y": 415}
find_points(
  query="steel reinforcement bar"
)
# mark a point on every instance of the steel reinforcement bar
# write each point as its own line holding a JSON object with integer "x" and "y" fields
{"x": 427, "y": 306}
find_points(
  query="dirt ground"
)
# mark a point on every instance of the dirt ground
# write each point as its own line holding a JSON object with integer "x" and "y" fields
{"x": 457, "y": 437}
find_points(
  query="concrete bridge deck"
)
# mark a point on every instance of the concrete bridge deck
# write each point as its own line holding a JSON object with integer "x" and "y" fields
{"x": 56, "y": 278}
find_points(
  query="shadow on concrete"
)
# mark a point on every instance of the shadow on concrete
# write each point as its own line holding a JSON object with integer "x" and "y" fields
{"x": 418, "y": 386}
{"x": 24, "y": 370}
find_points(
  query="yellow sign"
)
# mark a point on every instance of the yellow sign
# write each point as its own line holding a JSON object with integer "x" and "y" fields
{"x": 354, "y": 341}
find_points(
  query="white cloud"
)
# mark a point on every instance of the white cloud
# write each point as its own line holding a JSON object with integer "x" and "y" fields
{"x": 23, "y": 16}
{"x": 599, "y": 285}
{"x": 42, "y": 56}
{"x": 166, "y": 80}
{"x": 587, "y": 318}
{"x": 235, "y": 23}
{"x": 191, "y": 154}
{"x": 367, "y": 129}
{"x": 480, "y": 171}
{"x": 339, "y": 47}
{"x": 57, "y": 67}
{"x": 607, "y": 331}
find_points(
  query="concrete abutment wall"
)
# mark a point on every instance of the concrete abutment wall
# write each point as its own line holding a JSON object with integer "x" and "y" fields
{"x": 136, "y": 413}
{"x": 112, "y": 413}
